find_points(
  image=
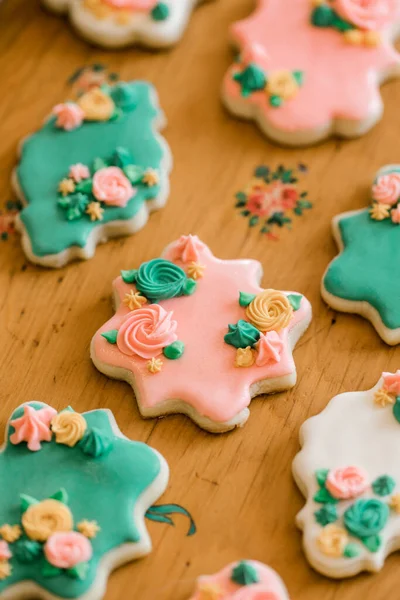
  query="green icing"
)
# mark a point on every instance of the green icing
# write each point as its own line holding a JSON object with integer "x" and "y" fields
{"x": 160, "y": 279}
{"x": 26, "y": 551}
{"x": 124, "y": 95}
{"x": 327, "y": 514}
{"x": 321, "y": 476}
{"x": 95, "y": 443}
{"x": 118, "y": 478}
{"x": 384, "y": 485}
{"x": 322, "y": 16}
{"x": 245, "y": 299}
{"x": 242, "y": 334}
{"x": 365, "y": 519}
{"x": 111, "y": 336}
{"x": 396, "y": 409}
{"x": 251, "y": 79}
{"x": 160, "y": 12}
{"x": 244, "y": 573}
{"x": 351, "y": 551}
{"x": 366, "y": 269}
{"x": 174, "y": 350}
{"x": 323, "y": 496}
{"x": 276, "y": 101}
{"x": 295, "y": 301}
{"x": 48, "y": 154}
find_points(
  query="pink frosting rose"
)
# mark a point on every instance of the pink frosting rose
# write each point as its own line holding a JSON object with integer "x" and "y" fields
{"x": 387, "y": 189}
{"x": 368, "y": 14}
{"x": 132, "y": 4}
{"x": 78, "y": 172}
{"x": 69, "y": 116}
{"x": 5, "y": 552}
{"x": 147, "y": 331}
{"x": 112, "y": 187}
{"x": 269, "y": 349}
{"x": 346, "y": 483}
{"x": 66, "y": 550}
{"x": 395, "y": 215}
{"x": 391, "y": 382}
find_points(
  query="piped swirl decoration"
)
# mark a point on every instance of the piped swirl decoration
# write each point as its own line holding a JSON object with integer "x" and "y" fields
{"x": 366, "y": 518}
{"x": 270, "y": 311}
{"x": 69, "y": 428}
{"x": 160, "y": 279}
{"x": 43, "y": 519}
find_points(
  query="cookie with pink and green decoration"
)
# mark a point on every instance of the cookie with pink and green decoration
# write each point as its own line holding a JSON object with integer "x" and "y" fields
{"x": 310, "y": 69}
{"x": 349, "y": 473}
{"x": 197, "y": 335}
{"x": 242, "y": 580}
{"x": 56, "y": 539}
{"x": 94, "y": 171}
{"x": 119, "y": 23}
{"x": 363, "y": 278}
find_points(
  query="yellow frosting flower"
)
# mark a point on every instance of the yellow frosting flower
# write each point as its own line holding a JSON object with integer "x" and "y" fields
{"x": 5, "y": 569}
{"x": 269, "y": 311}
{"x": 154, "y": 365}
{"x": 332, "y": 540}
{"x": 96, "y": 105}
{"x": 395, "y": 503}
{"x": 282, "y": 84}
{"x": 88, "y": 528}
{"x": 210, "y": 591}
{"x": 196, "y": 270}
{"x": 95, "y": 211}
{"x": 69, "y": 428}
{"x": 383, "y": 398}
{"x": 66, "y": 186}
{"x": 41, "y": 520}
{"x": 134, "y": 300}
{"x": 10, "y": 533}
{"x": 150, "y": 177}
{"x": 354, "y": 37}
{"x": 379, "y": 211}
{"x": 245, "y": 357}
{"x": 372, "y": 38}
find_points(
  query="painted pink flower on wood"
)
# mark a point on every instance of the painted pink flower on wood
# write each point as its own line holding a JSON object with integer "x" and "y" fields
{"x": 33, "y": 427}
{"x": 347, "y": 483}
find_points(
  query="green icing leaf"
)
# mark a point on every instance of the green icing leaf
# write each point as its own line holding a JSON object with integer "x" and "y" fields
{"x": 124, "y": 96}
{"x": 26, "y": 551}
{"x": 251, "y": 79}
{"x": 174, "y": 350}
{"x": 111, "y": 336}
{"x": 324, "y": 497}
{"x": 327, "y": 514}
{"x": 129, "y": 276}
{"x": 189, "y": 287}
{"x": 161, "y": 514}
{"x": 27, "y": 501}
{"x": 79, "y": 571}
{"x": 99, "y": 163}
{"x": 48, "y": 571}
{"x": 340, "y": 24}
{"x": 245, "y": 299}
{"x": 351, "y": 551}
{"x": 95, "y": 443}
{"x": 244, "y": 574}
{"x": 396, "y": 409}
{"x": 384, "y": 485}
{"x": 84, "y": 186}
{"x": 61, "y": 495}
{"x": 122, "y": 157}
{"x": 275, "y": 101}
{"x": 295, "y": 301}
{"x": 254, "y": 221}
{"x": 262, "y": 171}
{"x": 373, "y": 542}
{"x": 299, "y": 77}
{"x": 134, "y": 173}
{"x": 242, "y": 334}
{"x": 322, "y": 16}
{"x": 160, "y": 12}
{"x": 321, "y": 476}
{"x": 77, "y": 206}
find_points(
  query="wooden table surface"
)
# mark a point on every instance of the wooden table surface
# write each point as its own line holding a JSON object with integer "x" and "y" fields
{"x": 238, "y": 486}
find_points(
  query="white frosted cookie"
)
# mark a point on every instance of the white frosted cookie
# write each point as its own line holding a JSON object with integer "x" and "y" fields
{"x": 348, "y": 470}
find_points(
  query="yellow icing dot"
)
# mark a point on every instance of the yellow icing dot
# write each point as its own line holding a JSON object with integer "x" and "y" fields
{"x": 210, "y": 591}
{"x": 41, "y": 520}
{"x": 66, "y": 186}
{"x": 245, "y": 357}
{"x": 383, "y": 398}
{"x": 196, "y": 270}
{"x": 332, "y": 540}
{"x": 372, "y": 38}
{"x": 354, "y": 37}
{"x": 269, "y": 311}
{"x": 282, "y": 84}
{"x": 379, "y": 211}
{"x": 95, "y": 211}
{"x": 10, "y": 533}
{"x": 88, "y": 528}
{"x": 154, "y": 365}
{"x": 134, "y": 300}
{"x": 5, "y": 569}
{"x": 96, "y": 105}
{"x": 123, "y": 17}
{"x": 98, "y": 8}
{"x": 150, "y": 177}
{"x": 395, "y": 503}
{"x": 69, "y": 428}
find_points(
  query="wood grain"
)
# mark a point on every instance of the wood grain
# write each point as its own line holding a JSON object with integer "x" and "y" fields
{"x": 238, "y": 486}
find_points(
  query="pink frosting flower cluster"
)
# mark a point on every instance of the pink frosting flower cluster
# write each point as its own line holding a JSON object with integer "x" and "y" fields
{"x": 347, "y": 483}
{"x": 132, "y": 4}
{"x": 66, "y": 550}
{"x": 269, "y": 349}
{"x": 146, "y": 331}
{"x": 79, "y": 172}
{"x": 188, "y": 248}
{"x": 33, "y": 427}
{"x": 69, "y": 116}
{"x": 112, "y": 187}
{"x": 368, "y": 14}
{"x": 386, "y": 189}
{"x": 5, "y": 552}
{"x": 391, "y": 382}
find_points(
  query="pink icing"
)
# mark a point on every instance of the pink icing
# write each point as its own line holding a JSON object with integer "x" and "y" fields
{"x": 269, "y": 349}
{"x": 33, "y": 427}
{"x": 187, "y": 248}
{"x": 395, "y": 215}
{"x": 346, "y": 483}
{"x": 386, "y": 189}
{"x": 340, "y": 79}
{"x": 391, "y": 382}
{"x": 78, "y": 172}
{"x": 112, "y": 187}
{"x": 269, "y": 587}
{"x": 69, "y": 116}
{"x": 206, "y": 371}
{"x": 66, "y": 550}
{"x": 146, "y": 331}
{"x": 367, "y": 14}
{"x": 5, "y": 552}
{"x": 132, "y": 4}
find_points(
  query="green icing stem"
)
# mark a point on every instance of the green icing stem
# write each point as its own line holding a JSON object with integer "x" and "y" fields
{"x": 367, "y": 270}
{"x": 48, "y": 154}
{"x": 105, "y": 489}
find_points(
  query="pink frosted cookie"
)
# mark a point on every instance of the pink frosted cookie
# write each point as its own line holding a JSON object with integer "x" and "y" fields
{"x": 311, "y": 69}
{"x": 194, "y": 334}
{"x": 119, "y": 23}
{"x": 244, "y": 580}
{"x": 348, "y": 471}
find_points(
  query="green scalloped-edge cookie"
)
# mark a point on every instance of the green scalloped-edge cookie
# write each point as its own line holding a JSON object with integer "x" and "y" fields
{"x": 95, "y": 170}
{"x": 75, "y": 492}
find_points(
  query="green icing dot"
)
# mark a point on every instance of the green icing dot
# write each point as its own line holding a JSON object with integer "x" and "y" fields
{"x": 134, "y": 173}
{"x": 384, "y": 485}
{"x": 161, "y": 279}
{"x": 365, "y": 519}
{"x": 396, "y": 409}
{"x": 129, "y": 276}
{"x": 26, "y": 551}
{"x": 299, "y": 77}
{"x": 160, "y": 12}
{"x": 244, "y": 574}
{"x": 321, "y": 476}
{"x": 351, "y": 551}
{"x": 124, "y": 96}
{"x": 245, "y": 299}
{"x": 251, "y": 79}
{"x": 111, "y": 336}
{"x": 242, "y": 334}
{"x": 322, "y": 16}
{"x": 95, "y": 443}
{"x": 275, "y": 101}
{"x": 174, "y": 350}
{"x": 79, "y": 571}
{"x": 327, "y": 514}
{"x": 295, "y": 301}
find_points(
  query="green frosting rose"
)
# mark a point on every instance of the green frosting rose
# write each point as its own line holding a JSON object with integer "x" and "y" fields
{"x": 160, "y": 279}
{"x": 365, "y": 519}
{"x": 242, "y": 334}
